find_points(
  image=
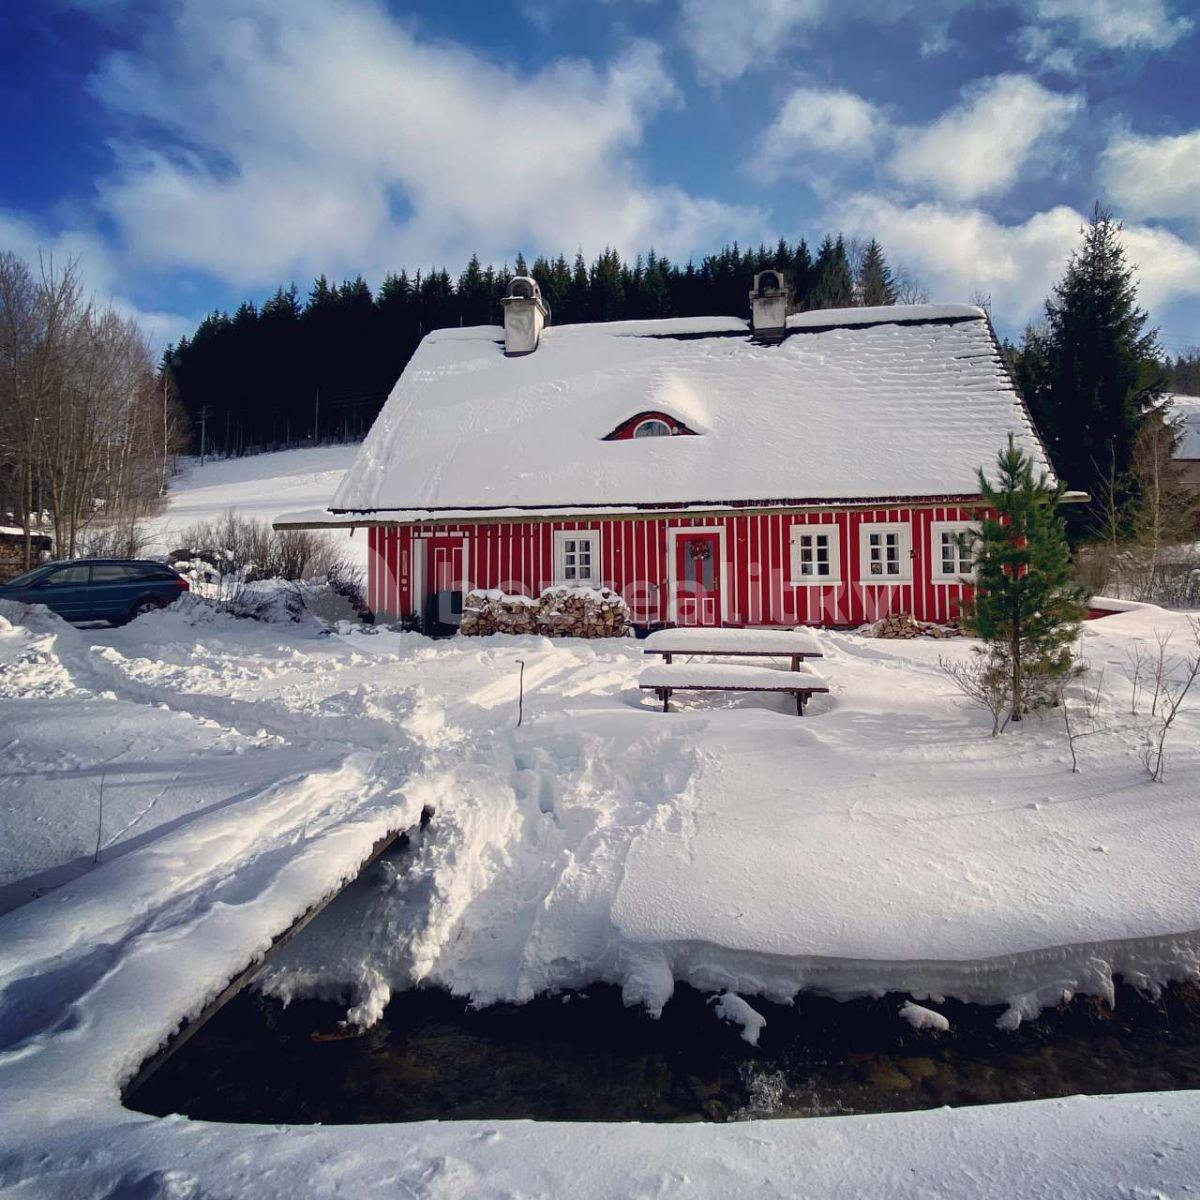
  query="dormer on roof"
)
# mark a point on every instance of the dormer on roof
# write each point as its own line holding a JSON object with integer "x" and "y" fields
{"x": 649, "y": 423}
{"x": 525, "y": 314}
{"x": 770, "y": 299}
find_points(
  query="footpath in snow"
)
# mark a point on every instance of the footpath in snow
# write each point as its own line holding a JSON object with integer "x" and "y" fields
{"x": 882, "y": 842}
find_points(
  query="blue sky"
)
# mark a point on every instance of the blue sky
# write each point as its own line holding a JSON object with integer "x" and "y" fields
{"x": 193, "y": 153}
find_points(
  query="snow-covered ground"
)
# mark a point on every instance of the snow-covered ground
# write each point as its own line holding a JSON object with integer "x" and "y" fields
{"x": 884, "y": 841}
{"x": 260, "y": 486}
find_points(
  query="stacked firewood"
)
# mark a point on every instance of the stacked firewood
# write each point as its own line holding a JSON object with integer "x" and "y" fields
{"x": 583, "y": 612}
{"x": 558, "y": 612}
{"x": 496, "y": 612}
{"x": 904, "y": 625}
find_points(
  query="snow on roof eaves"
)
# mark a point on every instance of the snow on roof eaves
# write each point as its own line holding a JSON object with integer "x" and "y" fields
{"x": 870, "y": 403}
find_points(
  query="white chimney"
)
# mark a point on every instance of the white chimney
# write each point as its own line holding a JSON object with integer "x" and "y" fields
{"x": 769, "y": 302}
{"x": 525, "y": 313}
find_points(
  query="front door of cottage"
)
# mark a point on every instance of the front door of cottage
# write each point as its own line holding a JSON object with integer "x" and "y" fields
{"x": 698, "y": 578}
{"x": 443, "y": 583}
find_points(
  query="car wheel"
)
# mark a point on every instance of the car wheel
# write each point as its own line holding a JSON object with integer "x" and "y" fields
{"x": 148, "y": 605}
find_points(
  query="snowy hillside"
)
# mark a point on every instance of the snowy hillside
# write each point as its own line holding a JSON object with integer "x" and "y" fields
{"x": 882, "y": 842}
{"x": 259, "y": 486}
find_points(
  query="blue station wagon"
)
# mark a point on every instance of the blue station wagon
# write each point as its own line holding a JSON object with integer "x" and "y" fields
{"x": 98, "y": 589}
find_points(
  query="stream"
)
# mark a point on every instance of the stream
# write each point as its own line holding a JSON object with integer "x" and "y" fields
{"x": 585, "y": 1057}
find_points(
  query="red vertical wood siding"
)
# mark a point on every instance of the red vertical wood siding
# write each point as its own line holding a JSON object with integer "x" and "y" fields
{"x": 518, "y": 556}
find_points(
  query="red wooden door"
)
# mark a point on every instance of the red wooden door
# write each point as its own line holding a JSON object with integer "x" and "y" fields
{"x": 443, "y": 565}
{"x": 443, "y": 573}
{"x": 698, "y": 579}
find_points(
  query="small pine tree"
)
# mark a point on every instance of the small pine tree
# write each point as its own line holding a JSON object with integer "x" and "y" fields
{"x": 1026, "y": 602}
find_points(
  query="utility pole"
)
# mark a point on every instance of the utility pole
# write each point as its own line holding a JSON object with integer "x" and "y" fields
{"x": 203, "y": 431}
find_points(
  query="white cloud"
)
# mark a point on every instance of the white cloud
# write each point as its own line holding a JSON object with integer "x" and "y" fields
{"x": 959, "y": 251}
{"x": 326, "y": 137}
{"x": 1154, "y": 176}
{"x": 38, "y": 245}
{"x": 981, "y": 146}
{"x": 822, "y": 121}
{"x": 726, "y": 37}
{"x": 1063, "y": 31}
{"x": 1117, "y": 24}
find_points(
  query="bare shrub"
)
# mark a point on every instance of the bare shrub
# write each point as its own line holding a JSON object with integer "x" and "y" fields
{"x": 1082, "y": 723}
{"x": 251, "y": 550}
{"x": 304, "y": 554}
{"x": 1139, "y": 662}
{"x": 348, "y": 581}
{"x": 985, "y": 680}
{"x": 1172, "y": 688}
{"x": 125, "y": 540}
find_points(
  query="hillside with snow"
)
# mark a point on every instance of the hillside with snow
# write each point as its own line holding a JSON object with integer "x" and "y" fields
{"x": 260, "y": 486}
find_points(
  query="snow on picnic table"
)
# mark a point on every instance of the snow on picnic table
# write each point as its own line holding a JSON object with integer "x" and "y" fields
{"x": 884, "y": 842}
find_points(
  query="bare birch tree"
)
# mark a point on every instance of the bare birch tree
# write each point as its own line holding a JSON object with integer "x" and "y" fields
{"x": 86, "y": 425}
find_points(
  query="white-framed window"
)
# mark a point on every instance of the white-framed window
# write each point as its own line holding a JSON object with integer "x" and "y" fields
{"x": 885, "y": 552}
{"x": 651, "y": 427}
{"x": 952, "y": 551}
{"x": 577, "y": 557}
{"x": 816, "y": 554}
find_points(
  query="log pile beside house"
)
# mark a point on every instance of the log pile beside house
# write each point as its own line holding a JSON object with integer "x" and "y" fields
{"x": 12, "y": 550}
{"x": 903, "y": 626}
{"x": 583, "y": 612}
{"x": 558, "y": 612}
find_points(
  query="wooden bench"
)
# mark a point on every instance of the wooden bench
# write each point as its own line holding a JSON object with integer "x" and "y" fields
{"x": 665, "y": 678}
{"x": 796, "y": 645}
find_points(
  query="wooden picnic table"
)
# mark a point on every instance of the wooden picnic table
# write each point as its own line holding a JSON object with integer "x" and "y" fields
{"x": 794, "y": 644}
{"x": 664, "y": 678}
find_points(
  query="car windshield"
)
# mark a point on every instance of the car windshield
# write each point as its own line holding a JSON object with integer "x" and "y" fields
{"x": 28, "y": 578}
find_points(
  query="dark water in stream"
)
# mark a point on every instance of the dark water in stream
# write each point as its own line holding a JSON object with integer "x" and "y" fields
{"x": 589, "y": 1058}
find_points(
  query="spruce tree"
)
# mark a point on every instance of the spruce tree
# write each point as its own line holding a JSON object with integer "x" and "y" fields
{"x": 474, "y": 300}
{"x": 1092, "y": 373}
{"x": 1026, "y": 603}
{"x": 875, "y": 284}
{"x": 802, "y": 277}
{"x": 835, "y": 284}
{"x": 579, "y": 294}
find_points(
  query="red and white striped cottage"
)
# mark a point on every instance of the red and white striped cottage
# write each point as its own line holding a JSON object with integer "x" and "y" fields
{"x": 815, "y": 468}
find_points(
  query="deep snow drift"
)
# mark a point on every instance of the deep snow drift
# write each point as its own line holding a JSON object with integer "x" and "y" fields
{"x": 881, "y": 842}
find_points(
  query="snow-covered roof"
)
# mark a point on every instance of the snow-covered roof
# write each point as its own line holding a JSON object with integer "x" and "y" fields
{"x": 1185, "y": 411}
{"x": 865, "y": 403}
{"x": 18, "y": 531}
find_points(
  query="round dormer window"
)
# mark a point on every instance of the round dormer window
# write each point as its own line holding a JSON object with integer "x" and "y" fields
{"x": 652, "y": 427}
